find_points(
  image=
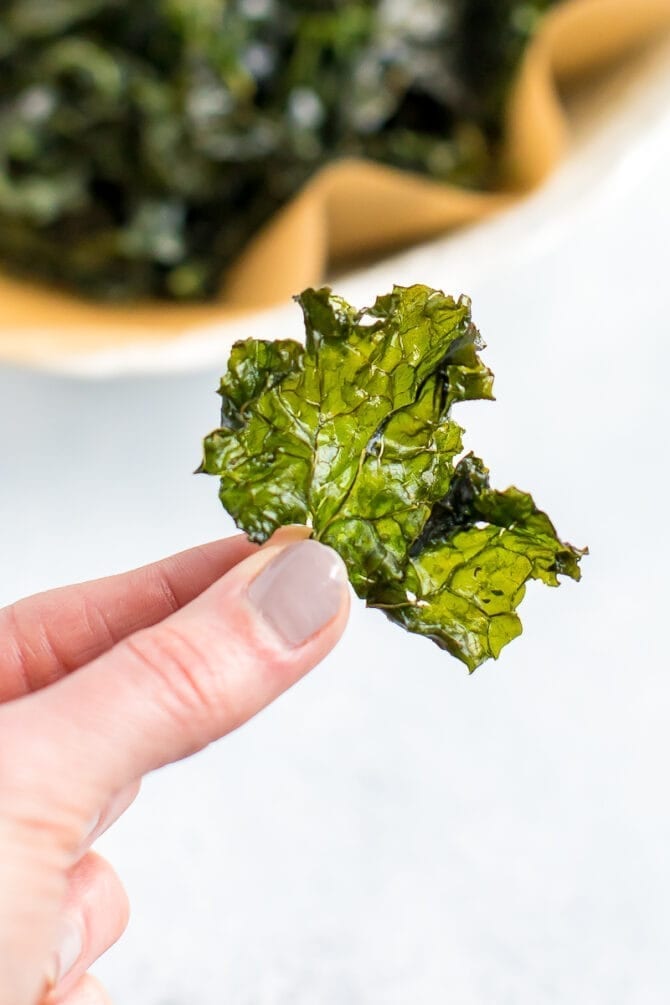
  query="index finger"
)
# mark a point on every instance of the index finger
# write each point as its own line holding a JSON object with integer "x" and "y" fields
{"x": 48, "y": 636}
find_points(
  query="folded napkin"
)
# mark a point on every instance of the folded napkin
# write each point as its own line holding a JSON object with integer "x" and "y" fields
{"x": 355, "y": 207}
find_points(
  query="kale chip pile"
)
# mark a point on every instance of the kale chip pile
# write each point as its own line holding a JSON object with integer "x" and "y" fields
{"x": 352, "y": 435}
{"x": 142, "y": 142}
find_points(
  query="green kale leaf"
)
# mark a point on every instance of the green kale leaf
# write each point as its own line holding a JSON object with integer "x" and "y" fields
{"x": 352, "y": 435}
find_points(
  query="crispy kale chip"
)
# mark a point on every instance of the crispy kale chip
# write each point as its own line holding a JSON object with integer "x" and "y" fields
{"x": 352, "y": 435}
{"x": 143, "y": 144}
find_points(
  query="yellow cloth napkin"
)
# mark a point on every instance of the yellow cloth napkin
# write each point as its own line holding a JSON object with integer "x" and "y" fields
{"x": 353, "y": 207}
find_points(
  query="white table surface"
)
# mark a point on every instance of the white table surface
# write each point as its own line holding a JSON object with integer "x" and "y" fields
{"x": 393, "y": 832}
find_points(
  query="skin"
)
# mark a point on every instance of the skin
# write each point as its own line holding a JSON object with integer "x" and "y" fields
{"x": 101, "y": 684}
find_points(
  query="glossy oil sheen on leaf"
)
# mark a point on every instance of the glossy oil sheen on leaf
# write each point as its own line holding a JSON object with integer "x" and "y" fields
{"x": 352, "y": 434}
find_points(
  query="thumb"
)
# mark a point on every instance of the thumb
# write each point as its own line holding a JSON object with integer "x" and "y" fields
{"x": 167, "y": 691}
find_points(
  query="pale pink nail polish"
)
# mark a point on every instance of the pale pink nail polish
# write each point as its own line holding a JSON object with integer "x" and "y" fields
{"x": 300, "y": 591}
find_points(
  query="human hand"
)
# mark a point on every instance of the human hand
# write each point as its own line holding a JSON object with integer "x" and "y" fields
{"x": 101, "y": 684}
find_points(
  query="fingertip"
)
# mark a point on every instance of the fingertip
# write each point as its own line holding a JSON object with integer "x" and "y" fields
{"x": 300, "y": 591}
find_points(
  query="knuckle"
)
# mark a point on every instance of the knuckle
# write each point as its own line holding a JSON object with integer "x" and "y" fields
{"x": 167, "y": 591}
{"x": 16, "y": 657}
{"x": 97, "y": 632}
{"x": 185, "y": 679}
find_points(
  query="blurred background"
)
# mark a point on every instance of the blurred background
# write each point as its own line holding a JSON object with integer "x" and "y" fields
{"x": 391, "y": 831}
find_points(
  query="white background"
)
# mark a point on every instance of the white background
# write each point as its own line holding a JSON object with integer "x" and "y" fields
{"x": 393, "y": 832}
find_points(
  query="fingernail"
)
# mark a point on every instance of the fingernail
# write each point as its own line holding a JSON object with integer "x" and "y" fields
{"x": 70, "y": 948}
{"x": 288, "y": 534}
{"x": 300, "y": 591}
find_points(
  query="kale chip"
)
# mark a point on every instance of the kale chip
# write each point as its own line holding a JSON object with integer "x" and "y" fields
{"x": 142, "y": 142}
{"x": 352, "y": 435}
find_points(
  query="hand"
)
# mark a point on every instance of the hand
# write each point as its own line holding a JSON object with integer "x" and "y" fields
{"x": 104, "y": 682}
